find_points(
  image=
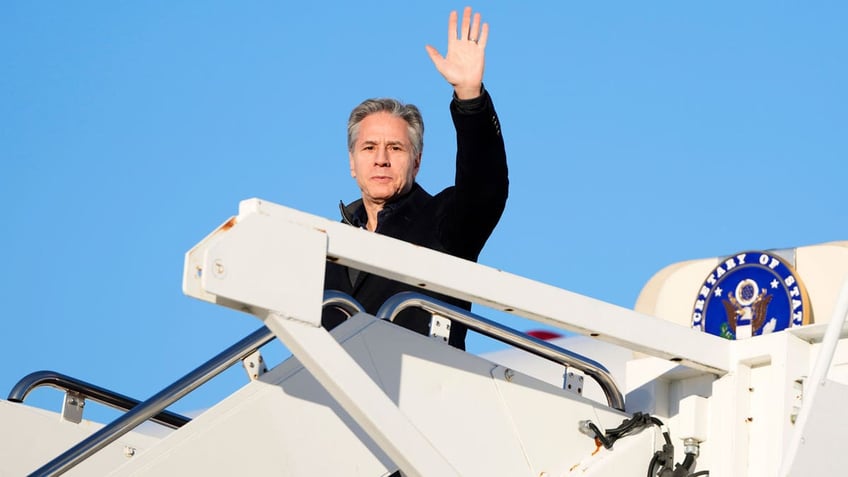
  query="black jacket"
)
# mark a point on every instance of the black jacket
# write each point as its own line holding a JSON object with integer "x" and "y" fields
{"x": 457, "y": 221}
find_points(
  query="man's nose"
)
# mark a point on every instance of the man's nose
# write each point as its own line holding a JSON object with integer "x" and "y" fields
{"x": 381, "y": 158}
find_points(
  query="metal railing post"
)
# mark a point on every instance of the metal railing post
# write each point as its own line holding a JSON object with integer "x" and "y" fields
{"x": 32, "y": 381}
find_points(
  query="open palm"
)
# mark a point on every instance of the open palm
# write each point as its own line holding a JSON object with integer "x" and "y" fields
{"x": 464, "y": 62}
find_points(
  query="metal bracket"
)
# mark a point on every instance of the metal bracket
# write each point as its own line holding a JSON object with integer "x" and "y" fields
{"x": 797, "y": 399}
{"x": 254, "y": 365}
{"x": 72, "y": 407}
{"x": 440, "y": 328}
{"x": 573, "y": 382}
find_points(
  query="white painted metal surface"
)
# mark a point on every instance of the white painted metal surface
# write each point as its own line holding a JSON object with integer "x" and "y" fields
{"x": 372, "y": 397}
{"x": 475, "y": 283}
{"x": 30, "y": 437}
{"x": 819, "y": 447}
{"x": 482, "y": 422}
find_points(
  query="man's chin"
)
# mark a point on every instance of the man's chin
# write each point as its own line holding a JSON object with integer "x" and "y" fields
{"x": 384, "y": 196}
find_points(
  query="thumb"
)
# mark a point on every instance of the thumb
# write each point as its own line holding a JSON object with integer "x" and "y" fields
{"x": 435, "y": 56}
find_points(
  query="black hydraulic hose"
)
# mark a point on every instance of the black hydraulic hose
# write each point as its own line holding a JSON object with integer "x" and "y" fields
{"x": 636, "y": 424}
{"x": 652, "y": 466}
{"x": 685, "y": 469}
{"x": 663, "y": 460}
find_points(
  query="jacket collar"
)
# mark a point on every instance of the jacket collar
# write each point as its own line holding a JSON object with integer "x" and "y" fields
{"x": 354, "y": 213}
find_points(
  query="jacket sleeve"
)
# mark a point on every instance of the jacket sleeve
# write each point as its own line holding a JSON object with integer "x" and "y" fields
{"x": 481, "y": 184}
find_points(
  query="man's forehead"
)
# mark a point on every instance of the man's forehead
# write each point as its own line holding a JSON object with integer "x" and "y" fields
{"x": 383, "y": 127}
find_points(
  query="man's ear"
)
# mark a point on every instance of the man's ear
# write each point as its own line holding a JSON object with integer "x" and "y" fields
{"x": 352, "y": 170}
{"x": 417, "y": 163}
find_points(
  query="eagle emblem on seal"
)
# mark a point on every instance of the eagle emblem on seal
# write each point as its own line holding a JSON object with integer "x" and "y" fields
{"x": 747, "y": 310}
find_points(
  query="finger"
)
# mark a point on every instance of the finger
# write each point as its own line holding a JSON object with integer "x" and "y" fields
{"x": 474, "y": 31}
{"x": 435, "y": 56}
{"x": 484, "y": 35}
{"x": 465, "y": 33}
{"x": 452, "y": 26}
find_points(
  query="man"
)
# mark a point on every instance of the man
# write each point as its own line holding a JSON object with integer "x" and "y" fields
{"x": 385, "y": 141}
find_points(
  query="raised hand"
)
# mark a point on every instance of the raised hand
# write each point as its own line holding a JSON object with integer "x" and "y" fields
{"x": 463, "y": 65}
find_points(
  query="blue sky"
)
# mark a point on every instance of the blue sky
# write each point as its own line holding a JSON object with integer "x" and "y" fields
{"x": 638, "y": 134}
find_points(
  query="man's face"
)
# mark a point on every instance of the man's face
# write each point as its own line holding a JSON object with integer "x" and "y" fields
{"x": 382, "y": 161}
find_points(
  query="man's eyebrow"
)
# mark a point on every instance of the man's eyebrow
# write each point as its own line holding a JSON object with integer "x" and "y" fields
{"x": 391, "y": 142}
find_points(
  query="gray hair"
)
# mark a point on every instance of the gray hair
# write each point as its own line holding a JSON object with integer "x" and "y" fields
{"x": 407, "y": 112}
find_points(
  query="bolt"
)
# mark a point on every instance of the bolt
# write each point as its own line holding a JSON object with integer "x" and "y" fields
{"x": 129, "y": 451}
{"x": 692, "y": 446}
{"x": 219, "y": 267}
{"x": 508, "y": 374}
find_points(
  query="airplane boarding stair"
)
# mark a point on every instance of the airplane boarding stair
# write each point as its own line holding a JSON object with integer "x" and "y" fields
{"x": 373, "y": 399}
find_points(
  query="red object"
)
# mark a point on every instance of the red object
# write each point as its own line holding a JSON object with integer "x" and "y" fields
{"x": 544, "y": 334}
